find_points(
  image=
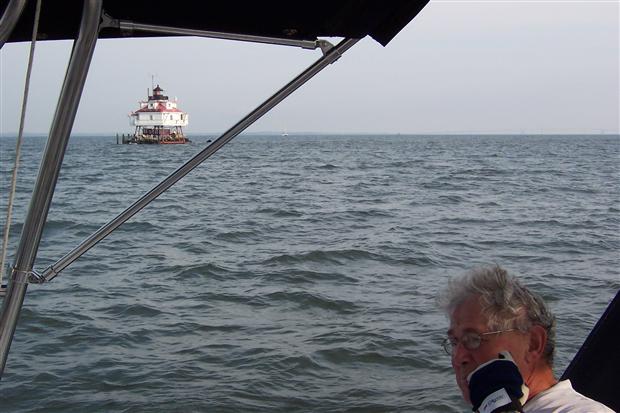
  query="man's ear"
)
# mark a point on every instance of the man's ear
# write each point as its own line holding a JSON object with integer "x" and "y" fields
{"x": 537, "y": 343}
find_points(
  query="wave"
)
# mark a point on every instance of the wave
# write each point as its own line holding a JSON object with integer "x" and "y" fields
{"x": 208, "y": 270}
{"x": 123, "y": 310}
{"x": 305, "y": 300}
{"x": 280, "y": 213}
{"x": 323, "y": 256}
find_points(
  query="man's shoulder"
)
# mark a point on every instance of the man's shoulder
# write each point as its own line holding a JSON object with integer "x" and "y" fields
{"x": 562, "y": 398}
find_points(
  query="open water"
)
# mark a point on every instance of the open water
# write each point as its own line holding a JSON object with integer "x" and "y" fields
{"x": 299, "y": 273}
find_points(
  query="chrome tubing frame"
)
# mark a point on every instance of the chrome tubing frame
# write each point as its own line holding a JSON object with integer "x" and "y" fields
{"x": 133, "y": 26}
{"x": 52, "y": 271}
{"x": 48, "y": 173}
{"x": 49, "y": 170}
{"x": 9, "y": 19}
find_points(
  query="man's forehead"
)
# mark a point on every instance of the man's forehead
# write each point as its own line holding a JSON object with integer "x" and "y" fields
{"x": 452, "y": 332}
{"x": 468, "y": 316}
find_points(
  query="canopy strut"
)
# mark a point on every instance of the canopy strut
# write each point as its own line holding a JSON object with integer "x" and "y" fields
{"x": 131, "y": 26}
{"x": 18, "y": 146}
{"x": 49, "y": 170}
{"x": 9, "y": 19}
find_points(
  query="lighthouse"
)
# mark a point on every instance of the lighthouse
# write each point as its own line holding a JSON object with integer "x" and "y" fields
{"x": 158, "y": 120}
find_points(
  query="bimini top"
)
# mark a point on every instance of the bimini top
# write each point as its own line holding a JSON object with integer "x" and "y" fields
{"x": 294, "y": 20}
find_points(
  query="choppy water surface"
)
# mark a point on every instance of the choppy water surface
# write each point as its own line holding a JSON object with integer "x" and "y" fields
{"x": 299, "y": 273}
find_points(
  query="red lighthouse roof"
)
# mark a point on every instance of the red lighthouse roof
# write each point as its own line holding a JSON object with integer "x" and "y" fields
{"x": 159, "y": 108}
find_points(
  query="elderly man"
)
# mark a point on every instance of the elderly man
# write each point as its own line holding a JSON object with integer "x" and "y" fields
{"x": 491, "y": 313}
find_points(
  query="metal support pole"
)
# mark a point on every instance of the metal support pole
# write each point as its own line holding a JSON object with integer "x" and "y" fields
{"x": 131, "y": 27}
{"x": 53, "y": 270}
{"x": 49, "y": 170}
{"x": 9, "y": 19}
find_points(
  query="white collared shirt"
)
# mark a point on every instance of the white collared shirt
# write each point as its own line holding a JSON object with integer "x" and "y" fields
{"x": 562, "y": 398}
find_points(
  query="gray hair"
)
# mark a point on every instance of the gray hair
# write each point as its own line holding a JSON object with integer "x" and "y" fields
{"x": 505, "y": 301}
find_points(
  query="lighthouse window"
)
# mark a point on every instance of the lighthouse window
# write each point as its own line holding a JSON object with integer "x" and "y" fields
{"x": 151, "y": 116}
{"x": 181, "y": 117}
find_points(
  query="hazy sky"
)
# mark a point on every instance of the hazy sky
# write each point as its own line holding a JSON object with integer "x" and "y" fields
{"x": 487, "y": 66}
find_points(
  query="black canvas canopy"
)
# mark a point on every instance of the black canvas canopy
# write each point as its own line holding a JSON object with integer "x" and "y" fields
{"x": 381, "y": 20}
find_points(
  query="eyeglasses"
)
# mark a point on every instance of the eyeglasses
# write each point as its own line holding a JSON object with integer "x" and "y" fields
{"x": 470, "y": 341}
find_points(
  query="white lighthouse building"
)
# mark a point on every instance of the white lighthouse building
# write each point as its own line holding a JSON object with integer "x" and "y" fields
{"x": 158, "y": 121}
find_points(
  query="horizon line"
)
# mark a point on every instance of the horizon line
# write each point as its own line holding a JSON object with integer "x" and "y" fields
{"x": 600, "y": 132}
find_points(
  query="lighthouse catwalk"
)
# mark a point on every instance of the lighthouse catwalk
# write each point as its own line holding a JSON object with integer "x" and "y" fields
{"x": 158, "y": 121}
